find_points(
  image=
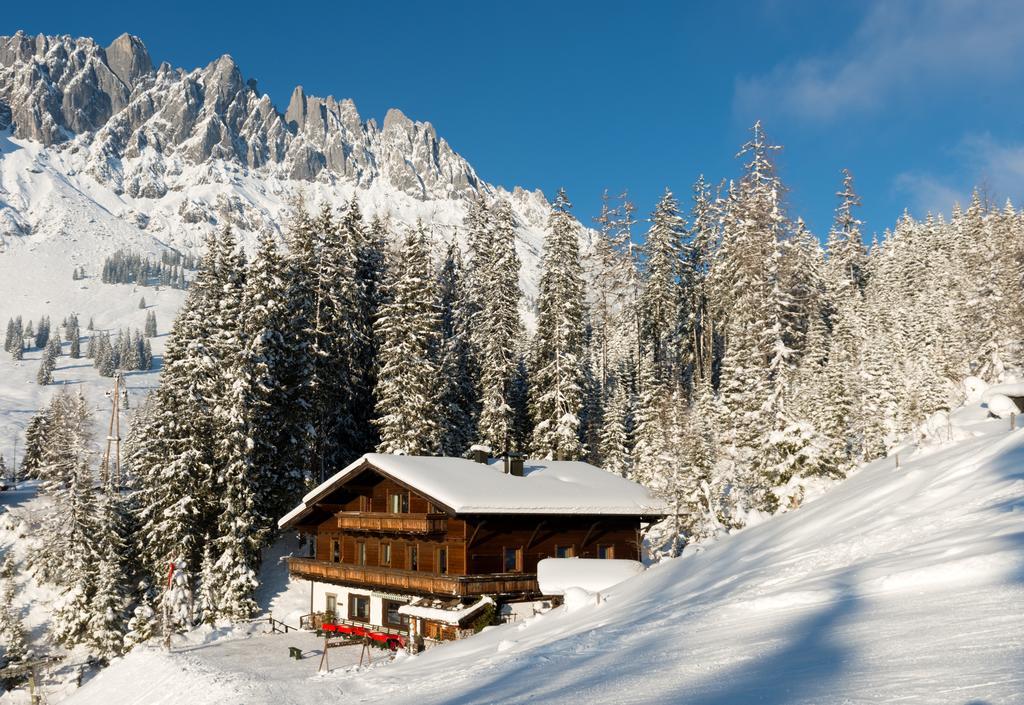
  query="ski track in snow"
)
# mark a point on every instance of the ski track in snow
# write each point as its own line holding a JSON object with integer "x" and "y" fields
{"x": 898, "y": 586}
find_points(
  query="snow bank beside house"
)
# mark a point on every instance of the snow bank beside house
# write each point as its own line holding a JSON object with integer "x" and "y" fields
{"x": 555, "y": 575}
{"x": 1009, "y": 389}
{"x": 1002, "y": 406}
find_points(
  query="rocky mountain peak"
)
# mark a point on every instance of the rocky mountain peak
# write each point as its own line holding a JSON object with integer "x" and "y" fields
{"x": 60, "y": 89}
{"x": 128, "y": 58}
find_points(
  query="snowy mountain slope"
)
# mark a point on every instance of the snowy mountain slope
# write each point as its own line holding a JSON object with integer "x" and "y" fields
{"x": 900, "y": 585}
{"x": 36, "y": 280}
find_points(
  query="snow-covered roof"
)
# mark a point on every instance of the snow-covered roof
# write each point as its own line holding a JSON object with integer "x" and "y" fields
{"x": 467, "y": 487}
{"x": 556, "y": 575}
{"x": 424, "y": 609}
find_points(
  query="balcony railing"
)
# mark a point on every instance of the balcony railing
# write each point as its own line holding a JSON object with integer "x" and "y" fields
{"x": 403, "y": 523}
{"x": 415, "y": 582}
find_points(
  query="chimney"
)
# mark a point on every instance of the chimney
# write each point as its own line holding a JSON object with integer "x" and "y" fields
{"x": 480, "y": 453}
{"x": 514, "y": 464}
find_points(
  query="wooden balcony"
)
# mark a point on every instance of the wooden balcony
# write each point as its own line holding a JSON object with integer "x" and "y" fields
{"x": 524, "y": 584}
{"x": 398, "y": 523}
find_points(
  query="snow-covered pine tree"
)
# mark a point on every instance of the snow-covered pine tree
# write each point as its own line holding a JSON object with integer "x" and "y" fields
{"x": 457, "y": 374}
{"x": 71, "y": 557}
{"x": 705, "y": 496}
{"x": 330, "y": 339}
{"x": 703, "y": 240}
{"x": 370, "y": 274}
{"x": 16, "y": 346}
{"x": 355, "y": 296}
{"x": 241, "y": 531}
{"x": 408, "y": 330}
{"x": 661, "y": 296}
{"x": 173, "y": 443}
{"x": 497, "y": 328}
{"x": 107, "y": 604}
{"x": 142, "y": 625}
{"x": 12, "y": 630}
{"x": 556, "y": 367}
{"x": 846, "y": 252}
{"x": 150, "y": 331}
{"x": 613, "y": 292}
{"x": 139, "y": 358}
{"x": 616, "y": 430}
{"x": 42, "y": 336}
{"x": 302, "y": 294}
{"x": 47, "y": 363}
{"x": 650, "y": 425}
{"x": 9, "y": 337}
{"x": 206, "y": 599}
{"x": 262, "y": 381}
{"x": 842, "y": 394}
{"x": 177, "y": 602}
{"x": 756, "y": 365}
{"x": 75, "y": 336}
{"x": 35, "y": 441}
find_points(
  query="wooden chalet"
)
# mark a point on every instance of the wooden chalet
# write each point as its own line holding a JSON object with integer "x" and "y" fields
{"x": 392, "y": 531}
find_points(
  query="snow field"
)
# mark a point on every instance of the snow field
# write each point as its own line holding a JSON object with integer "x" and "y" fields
{"x": 900, "y": 585}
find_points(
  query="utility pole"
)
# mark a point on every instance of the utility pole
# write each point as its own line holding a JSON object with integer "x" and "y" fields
{"x": 111, "y": 476}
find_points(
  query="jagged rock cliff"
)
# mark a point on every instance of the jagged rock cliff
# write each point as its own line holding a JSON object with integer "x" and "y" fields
{"x": 60, "y": 90}
{"x": 101, "y": 150}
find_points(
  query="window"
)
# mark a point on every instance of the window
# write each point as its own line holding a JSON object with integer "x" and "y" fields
{"x": 336, "y": 550}
{"x": 442, "y": 560}
{"x": 392, "y": 618}
{"x": 385, "y": 554}
{"x": 513, "y": 560}
{"x": 564, "y": 552}
{"x": 331, "y": 608}
{"x": 359, "y": 608}
{"x": 414, "y": 555}
{"x": 605, "y": 550}
{"x": 360, "y": 553}
{"x": 399, "y": 502}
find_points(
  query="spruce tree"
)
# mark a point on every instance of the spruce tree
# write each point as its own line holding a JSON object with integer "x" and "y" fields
{"x": 408, "y": 331}
{"x": 457, "y": 393}
{"x": 616, "y": 430}
{"x": 556, "y": 369}
{"x": 497, "y": 328}
{"x": 661, "y": 298}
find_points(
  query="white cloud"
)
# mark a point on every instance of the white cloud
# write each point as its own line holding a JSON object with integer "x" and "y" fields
{"x": 899, "y": 49}
{"x": 993, "y": 166}
{"x": 927, "y": 193}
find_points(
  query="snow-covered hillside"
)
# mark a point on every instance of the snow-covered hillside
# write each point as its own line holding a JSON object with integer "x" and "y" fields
{"x": 903, "y": 584}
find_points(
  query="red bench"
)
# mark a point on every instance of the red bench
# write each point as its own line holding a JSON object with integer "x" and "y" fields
{"x": 392, "y": 641}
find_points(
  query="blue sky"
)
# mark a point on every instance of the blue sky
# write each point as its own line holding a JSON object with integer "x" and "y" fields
{"x": 919, "y": 99}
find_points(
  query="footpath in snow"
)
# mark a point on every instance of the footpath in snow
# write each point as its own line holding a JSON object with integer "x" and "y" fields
{"x": 899, "y": 585}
